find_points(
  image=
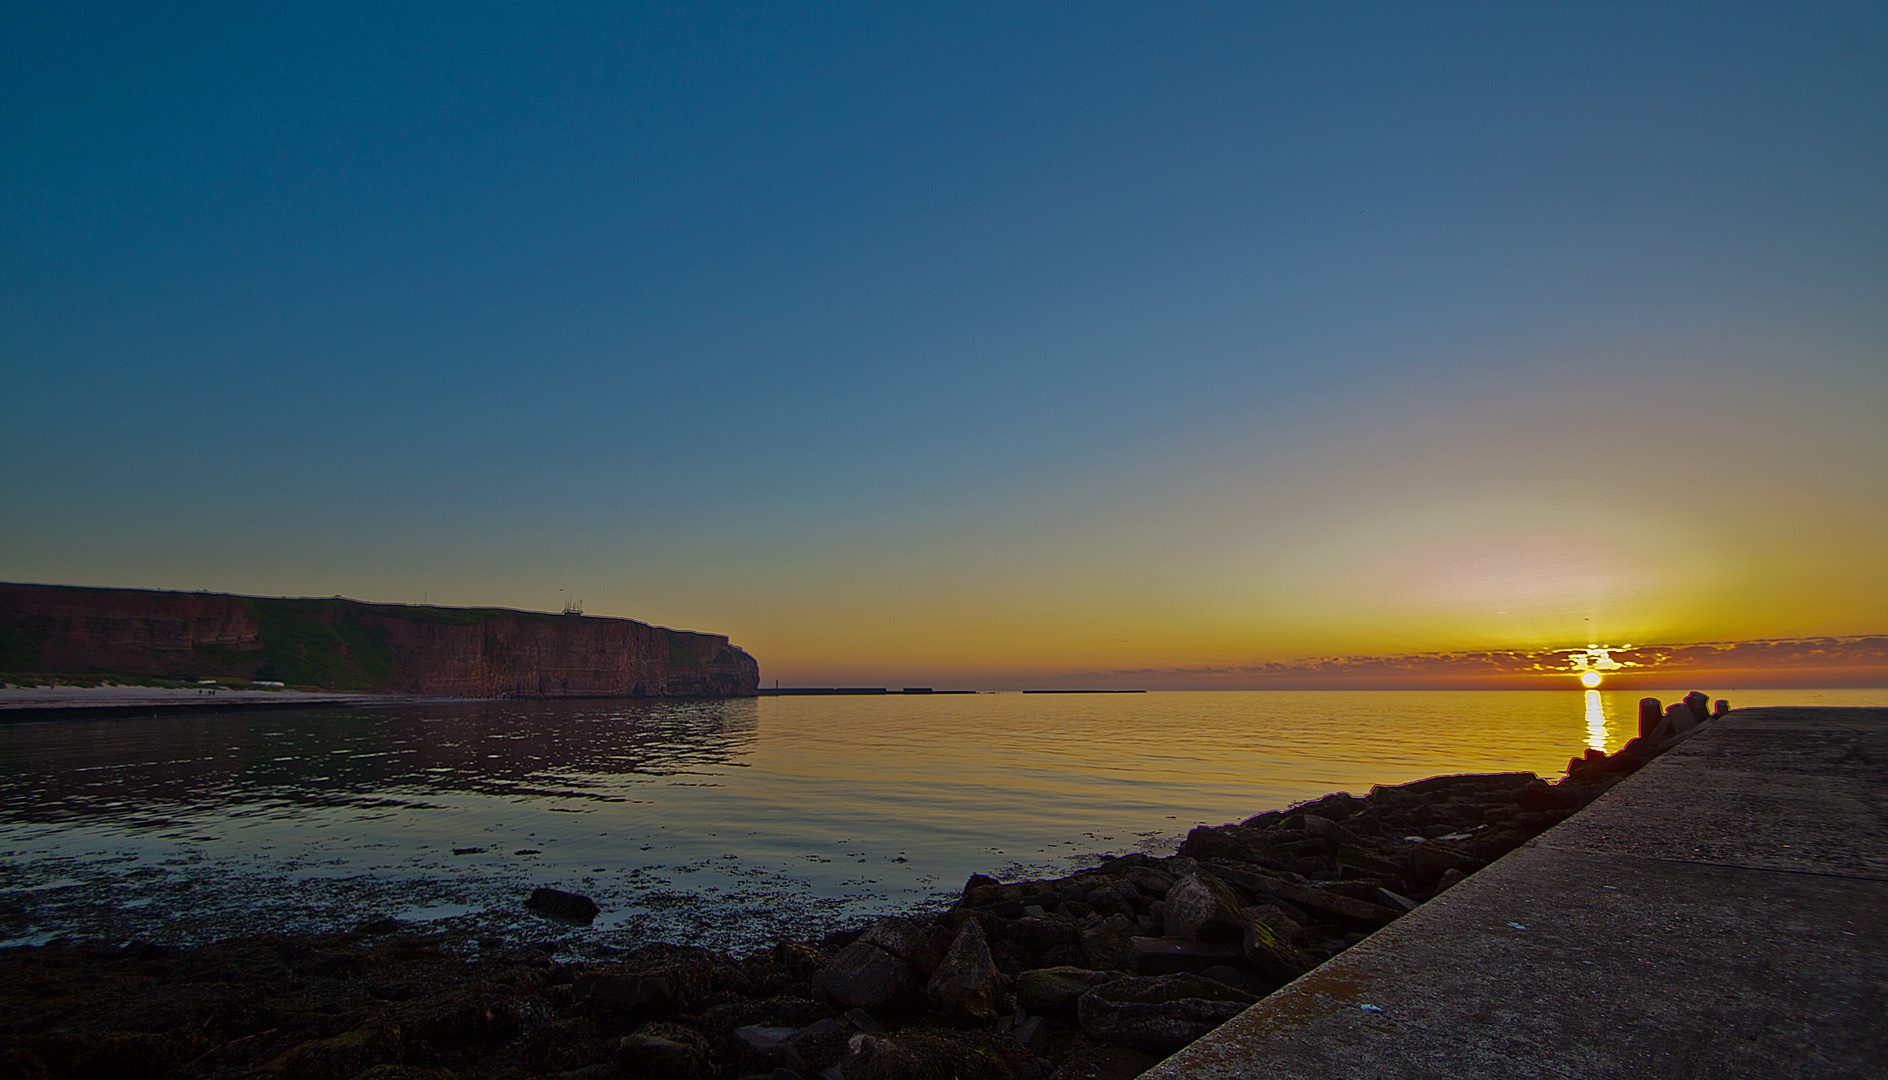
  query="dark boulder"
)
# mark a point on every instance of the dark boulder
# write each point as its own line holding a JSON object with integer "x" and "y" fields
{"x": 1158, "y": 1015}
{"x": 1238, "y": 979}
{"x": 1115, "y": 898}
{"x": 816, "y": 1047}
{"x": 1150, "y": 880}
{"x": 342, "y": 1056}
{"x": 1437, "y": 857}
{"x": 1201, "y": 908}
{"x": 627, "y": 992}
{"x": 940, "y": 1054}
{"x": 1271, "y": 951}
{"x": 1536, "y": 821}
{"x": 1108, "y": 944}
{"x": 906, "y": 940}
{"x": 1456, "y": 785}
{"x": 780, "y": 1014}
{"x": 1168, "y": 956}
{"x": 1333, "y": 807}
{"x": 1042, "y": 935}
{"x": 1235, "y": 842}
{"x": 864, "y": 976}
{"x": 665, "y": 976}
{"x": 1322, "y": 901}
{"x": 558, "y": 904}
{"x": 1330, "y": 831}
{"x": 1540, "y": 795}
{"x": 675, "y": 1054}
{"x": 763, "y": 1042}
{"x": 1053, "y": 991}
{"x": 1287, "y": 926}
{"x": 470, "y": 1016}
{"x": 1392, "y": 900}
{"x": 967, "y": 983}
{"x": 1101, "y": 1061}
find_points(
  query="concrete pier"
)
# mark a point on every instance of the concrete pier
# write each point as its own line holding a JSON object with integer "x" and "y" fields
{"x": 1721, "y": 913}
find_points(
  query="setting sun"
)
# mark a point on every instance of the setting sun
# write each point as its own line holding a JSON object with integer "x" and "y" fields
{"x": 1590, "y": 679}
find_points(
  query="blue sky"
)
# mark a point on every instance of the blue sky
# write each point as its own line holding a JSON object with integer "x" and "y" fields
{"x": 920, "y": 342}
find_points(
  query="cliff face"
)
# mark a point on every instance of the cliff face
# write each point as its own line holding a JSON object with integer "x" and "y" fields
{"x": 344, "y": 644}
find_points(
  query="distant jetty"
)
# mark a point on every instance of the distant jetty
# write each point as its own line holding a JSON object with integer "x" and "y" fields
{"x": 338, "y": 645}
{"x": 848, "y": 691}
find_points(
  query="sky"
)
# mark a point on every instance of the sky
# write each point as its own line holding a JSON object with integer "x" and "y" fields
{"x": 971, "y": 344}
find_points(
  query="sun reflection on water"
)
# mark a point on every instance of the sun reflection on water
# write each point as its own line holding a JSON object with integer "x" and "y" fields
{"x": 1595, "y": 722}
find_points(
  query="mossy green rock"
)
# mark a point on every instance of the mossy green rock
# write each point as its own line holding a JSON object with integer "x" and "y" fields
{"x": 1053, "y": 991}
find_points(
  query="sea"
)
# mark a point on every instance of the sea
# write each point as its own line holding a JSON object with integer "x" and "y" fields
{"x": 727, "y": 823}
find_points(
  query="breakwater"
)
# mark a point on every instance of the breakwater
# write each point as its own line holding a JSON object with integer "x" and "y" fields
{"x": 1719, "y": 915}
{"x": 346, "y": 645}
{"x": 1096, "y": 973}
{"x": 850, "y": 691}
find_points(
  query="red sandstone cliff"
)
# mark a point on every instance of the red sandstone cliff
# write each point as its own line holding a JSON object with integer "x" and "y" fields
{"x": 344, "y": 644}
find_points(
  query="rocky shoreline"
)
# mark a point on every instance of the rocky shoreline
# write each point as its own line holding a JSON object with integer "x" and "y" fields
{"x": 1092, "y": 976}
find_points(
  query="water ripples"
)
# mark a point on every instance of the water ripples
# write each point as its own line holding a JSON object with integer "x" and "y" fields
{"x": 722, "y": 821}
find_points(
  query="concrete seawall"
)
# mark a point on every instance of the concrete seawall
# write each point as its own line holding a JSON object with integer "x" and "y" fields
{"x": 1722, "y": 912}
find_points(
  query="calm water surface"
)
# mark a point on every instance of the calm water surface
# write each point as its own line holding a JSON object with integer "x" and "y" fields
{"x": 722, "y": 822}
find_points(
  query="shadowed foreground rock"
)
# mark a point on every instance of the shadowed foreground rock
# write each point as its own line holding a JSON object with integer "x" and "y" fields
{"x": 1093, "y": 976}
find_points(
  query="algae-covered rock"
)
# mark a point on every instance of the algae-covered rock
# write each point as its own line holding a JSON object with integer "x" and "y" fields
{"x": 1283, "y": 926}
{"x": 1270, "y": 950}
{"x": 1201, "y": 908}
{"x": 1053, "y": 991}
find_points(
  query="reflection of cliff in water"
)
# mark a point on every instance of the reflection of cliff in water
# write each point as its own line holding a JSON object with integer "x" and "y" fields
{"x": 145, "y": 772}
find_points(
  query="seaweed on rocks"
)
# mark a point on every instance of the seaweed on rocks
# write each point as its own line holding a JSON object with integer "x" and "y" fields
{"x": 1094, "y": 975}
